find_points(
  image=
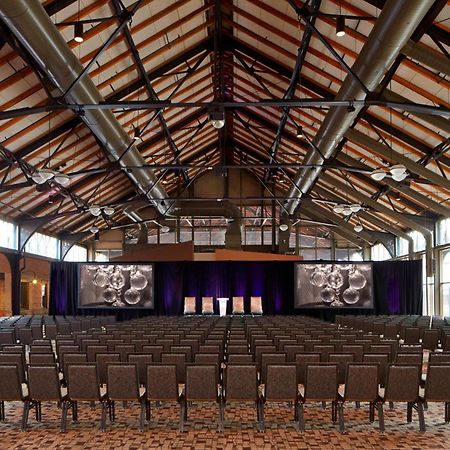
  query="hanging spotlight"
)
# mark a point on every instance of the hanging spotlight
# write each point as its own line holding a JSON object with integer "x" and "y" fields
{"x": 108, "y": 210}
{"x": 62, "y": 179}
{"x": 299, "y": 131}
{"x": 137, "y": 134}
{"x": 284, "y": 227}
{"x": 340, "y": 26}
{"x": 95, "y": 210}
{"x": 338, "y": 209}
{"x": 355, "y": 207}
{"x": 37, "y": 178}
{"x": 78, "y": 32}
{"x": 165, "y": 229}
{"x": 378, "y": 174}
{"x": 217, "y": 119}
{"x": 93, "y": 229}
{"x": 358, "y": 228}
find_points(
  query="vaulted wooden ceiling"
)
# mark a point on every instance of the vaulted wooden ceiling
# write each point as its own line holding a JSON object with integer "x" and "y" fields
{"x": 196, "y": 52}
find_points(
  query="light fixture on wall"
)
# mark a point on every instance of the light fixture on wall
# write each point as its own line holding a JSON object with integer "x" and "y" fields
{"x": 340, "y": 26}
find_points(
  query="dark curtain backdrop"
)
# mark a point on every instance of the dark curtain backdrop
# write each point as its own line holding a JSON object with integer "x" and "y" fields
{"x": 397, "y": 287}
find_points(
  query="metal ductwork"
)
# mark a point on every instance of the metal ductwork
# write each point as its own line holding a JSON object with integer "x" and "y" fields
{"x": 397, "y": 21}
{"x": 32, "y": 26}
{"x": 427, "y": 57}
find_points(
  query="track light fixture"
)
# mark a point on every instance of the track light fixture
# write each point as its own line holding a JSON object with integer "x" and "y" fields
{"x": 340, "y": 26}
{"x": 93, "y": 229}
{"x": 137, "y": 134}
{"x": 78, "y": 32}
{"x": 358, "y": 228}
{"x": 299, "y": 131}
{"x": 95, "y": 210}
{"x": 108, "y": 210}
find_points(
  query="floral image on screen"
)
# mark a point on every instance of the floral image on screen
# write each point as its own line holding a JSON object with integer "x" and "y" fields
{"x": 345, "y": 285}
{"x": 116, "y": 286}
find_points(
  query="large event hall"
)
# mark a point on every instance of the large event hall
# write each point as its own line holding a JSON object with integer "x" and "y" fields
{"x": 224, "y": 224}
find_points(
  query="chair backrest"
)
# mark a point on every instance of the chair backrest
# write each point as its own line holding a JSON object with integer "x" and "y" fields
{"x": 260, "y": 349}
{"x": 234, "y": 349}
{"x": 162, "y": 382}
{"x": 324, "y": 350}
{"x": 409, "y": 358}
{"x": 402, "y": 383}
{"x": 103, "y": 360}
{"x": 361, "y": 383}
{"x": 256, "y": 305}
{"x": 270, "y": 358}
{"x": 42, "y": 358}
{"x": 438, "y": 357}
{"x": 207, "y": 358}
{"x": 281, "y": 382}
{"x": 240, "y": 358}
{"x": 83, "y": 383}
{"x": 437, "y": 385}
{"x": 35, "y": 348}
{"x": 43, "y": 383}
{"x": 14, "y": 358}
{"x": 207, "y": 305}
{"x": 179, "y": 359}
{"x": 238, "y": 305}
{"x": 341, "y": 359}
{"x": 10, "y": 383}
{"x": 201, "y": 383}
{"x": 124, "y": 350}
{"x": 92, "y": 350}
{"x": 301, "y": 360}
{"x": 189, "y": 305}
{"x": 241, "y": 384}
{"x": 154, "y": 350}
{"x": 182, "y": 349}
{"x": 357, "y": 349}
{"x": 321, "y": 382}
{"x": 141, "y": 360}
{"x": 123, "y": 382}
{"x": 382, "y": 359}
{"x": 412, "y": 335}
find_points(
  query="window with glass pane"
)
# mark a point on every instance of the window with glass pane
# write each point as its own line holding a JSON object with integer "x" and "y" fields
{"x": 8, "y": 235}
{"x": 308, "y": 254}
{"x": 356, "y": 255}
{"x": 401, "y": 247}
{"x": 253, "y": 236}
{"x": 202, "y": 237}
{"x": 379, "y": 253}
{"x": 185, "y": 235}
{"x": 341, "y": 254}
{"x": 43, "y": 245}
{"x": 167, "y": 238}
{"x": 76, "y": 254}
{"x": 443, "y": 232}
{"x": 101, "y": 256}
{"x": 427, "y": 289}
{"x": 218, "y": 236}
{"x": 445, "y": 282}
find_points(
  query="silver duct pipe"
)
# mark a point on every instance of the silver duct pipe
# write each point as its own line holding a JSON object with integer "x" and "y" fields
{"x": 31, "y": 25}
{"x": 392, "y": 30}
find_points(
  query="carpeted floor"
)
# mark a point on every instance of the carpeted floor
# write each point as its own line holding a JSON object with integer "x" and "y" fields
{"x": 240, "y": 429}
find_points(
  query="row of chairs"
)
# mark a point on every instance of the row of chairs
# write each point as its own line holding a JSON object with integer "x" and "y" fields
{"x": 240, "y": 384}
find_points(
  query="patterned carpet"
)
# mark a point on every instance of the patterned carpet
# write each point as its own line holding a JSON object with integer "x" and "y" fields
{"x": 240, "y": 429}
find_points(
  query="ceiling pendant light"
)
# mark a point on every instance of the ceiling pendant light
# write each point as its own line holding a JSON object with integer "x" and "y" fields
{"x": 299, "y": 131}
{"x": 338, "y": 209}
{"x": 358, "y": 228}
{"x": 397, "y": 170}
{"x": 378, "y": 174}
{"x": 165, "y": 229}
{"x": 355, "y": 207}
{"x": 284, "y": 227}
{"x": 93, "y": 229}
{"x": 340, "y": 26}
{"x": 347, "y": 211}
{"x": 137, "y": 134}
{"x": 217, "y": 119}
{"x": 95, "y": 210}
{"x": 108, "y": 210}
{"x": 78, "y": 32}
{"x": 62, "y": 179}
{"x": 47, "y": 174}
{"x": 399, "y": 176}
{"x": 37, "y": 178}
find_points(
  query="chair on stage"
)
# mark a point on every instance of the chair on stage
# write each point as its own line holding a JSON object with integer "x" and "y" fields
{"x": 207, "y": 305}
{"x": 238, "y": 305}
{"x": 256, "y": 306}
{"x": 189, "y": 306}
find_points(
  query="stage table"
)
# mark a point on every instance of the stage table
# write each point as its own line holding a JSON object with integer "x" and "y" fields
{"x": 222, "y": 305}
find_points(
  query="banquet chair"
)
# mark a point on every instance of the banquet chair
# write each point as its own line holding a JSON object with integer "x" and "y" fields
{"x": 238, "y": 305}
{"x": 256, "y": 306}
{"x": 207, "y": 305}
{"x": 189, "y": 305}
{"x": 10, "y": 388}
